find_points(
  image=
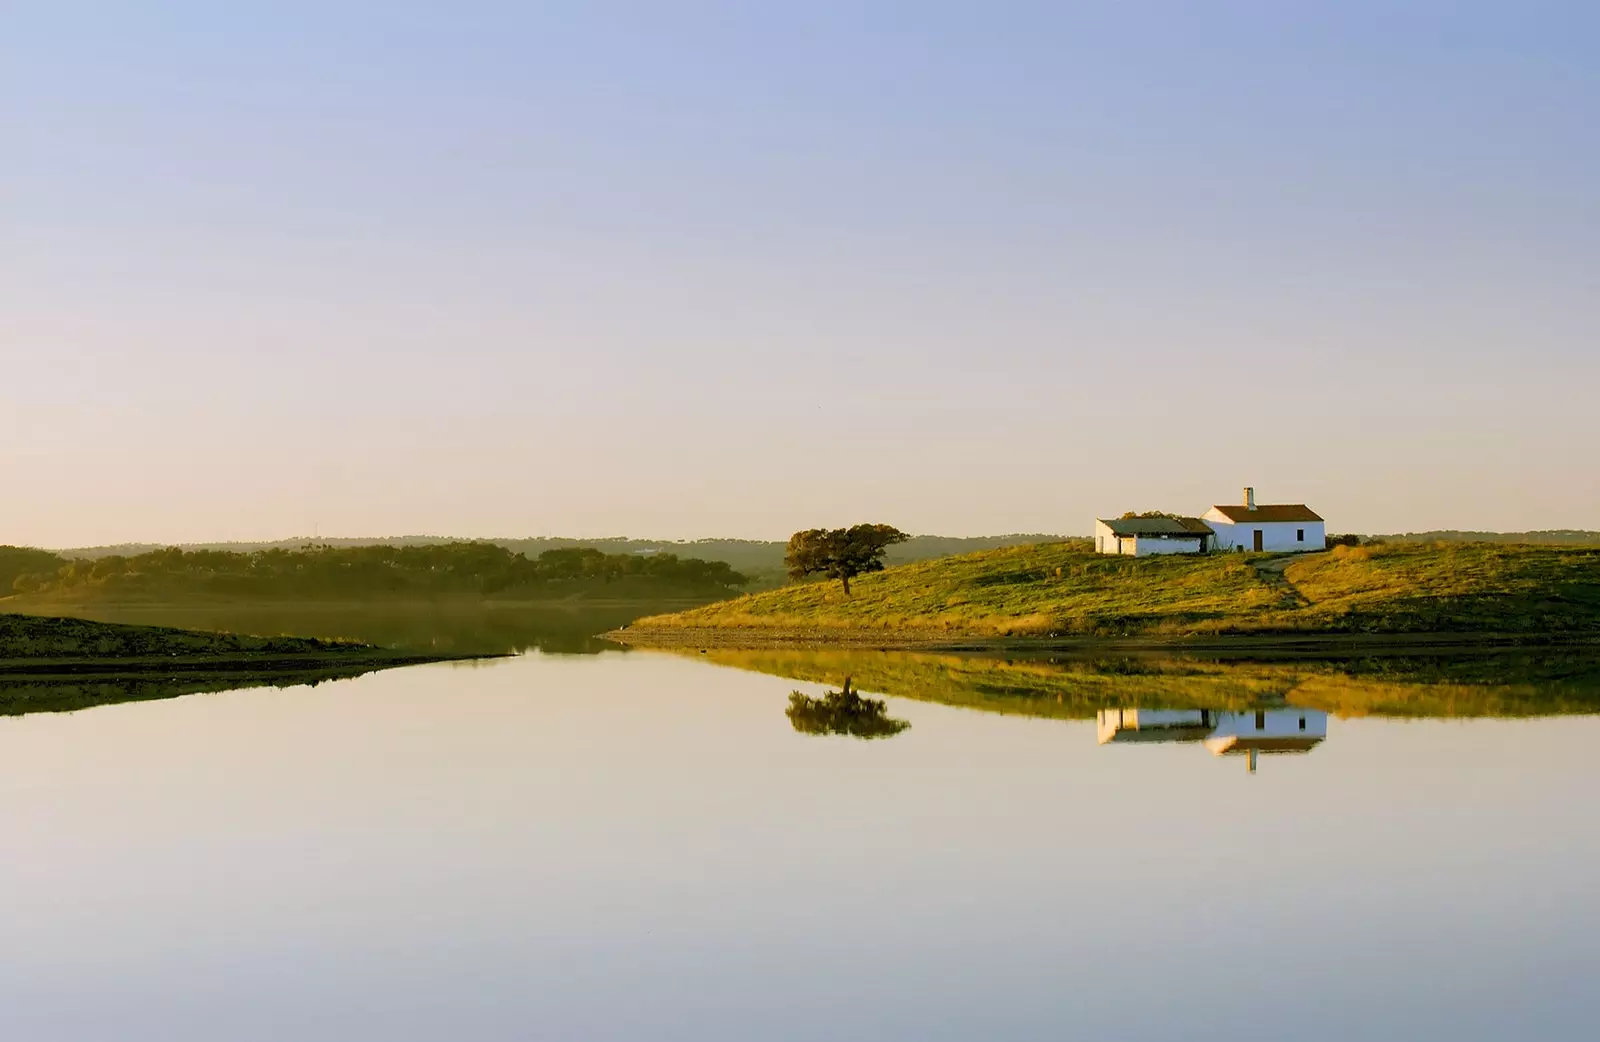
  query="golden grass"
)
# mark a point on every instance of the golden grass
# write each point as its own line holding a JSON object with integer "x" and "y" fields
{"x": 1058, "y": 589}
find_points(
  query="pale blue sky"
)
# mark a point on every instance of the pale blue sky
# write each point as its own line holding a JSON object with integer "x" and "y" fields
{"x": 685, "y": 269}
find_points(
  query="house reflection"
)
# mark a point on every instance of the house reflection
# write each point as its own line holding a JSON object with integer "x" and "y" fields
{"x": 1250, "y": 734}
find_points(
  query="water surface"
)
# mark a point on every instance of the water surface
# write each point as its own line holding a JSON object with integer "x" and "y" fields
{"x": 642, "y": 846}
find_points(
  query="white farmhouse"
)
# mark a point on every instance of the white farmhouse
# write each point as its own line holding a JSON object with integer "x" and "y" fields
{"x": 1274, "y": 527}
{"x": 1144, "y": 536}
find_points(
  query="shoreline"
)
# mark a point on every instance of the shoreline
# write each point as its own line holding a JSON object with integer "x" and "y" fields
{"x": 134, "y": 667}
{"x": 36, "y": 647}
{"x": 1243, "y": 645}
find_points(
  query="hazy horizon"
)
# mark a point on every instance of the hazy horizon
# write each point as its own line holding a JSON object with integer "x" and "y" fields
{"x": 647, "y": 538}
{"x": 697, "y": 272}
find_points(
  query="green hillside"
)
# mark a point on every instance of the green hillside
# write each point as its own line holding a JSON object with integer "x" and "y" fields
{"x": 1058, "y": 590}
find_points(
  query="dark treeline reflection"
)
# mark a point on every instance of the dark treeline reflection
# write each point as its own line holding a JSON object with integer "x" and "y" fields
{"x": 66, "y": 694}
{"x": 453, "y": 627}
{"x": 843, "y": 713}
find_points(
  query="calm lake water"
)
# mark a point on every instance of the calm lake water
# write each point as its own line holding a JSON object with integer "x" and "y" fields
{"x": 642, "y": 845}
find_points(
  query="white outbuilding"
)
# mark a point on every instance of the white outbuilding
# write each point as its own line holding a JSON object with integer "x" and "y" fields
{"x": 1157, "y": 534}
{"x": 1273, "y": 527}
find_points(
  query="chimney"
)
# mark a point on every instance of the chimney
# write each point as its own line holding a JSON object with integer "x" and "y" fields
{"x": 1249, "y": 498}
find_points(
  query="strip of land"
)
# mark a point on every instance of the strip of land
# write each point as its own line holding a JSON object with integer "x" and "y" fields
{"x": 36, "y": 646}
{"x": 1058, "y": 595}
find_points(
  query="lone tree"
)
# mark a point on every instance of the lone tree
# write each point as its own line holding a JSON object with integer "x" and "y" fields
{"x": 840, "y": 553}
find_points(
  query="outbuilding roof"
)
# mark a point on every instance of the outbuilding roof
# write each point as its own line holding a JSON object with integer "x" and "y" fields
{"x": 1167, "y": 733}
{"x": 1157, "y": 526}
{"x": 1236, "y": 512}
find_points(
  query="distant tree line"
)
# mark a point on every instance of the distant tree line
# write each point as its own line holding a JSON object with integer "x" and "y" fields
{"x": 751, "y": 557}
{"x": 17, "y": 561}
{"x": 448, "y": 568}
{"x": 1543, "y": 537}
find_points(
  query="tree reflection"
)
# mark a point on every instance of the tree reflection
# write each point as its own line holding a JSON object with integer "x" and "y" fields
{"x": 843, "y": 712}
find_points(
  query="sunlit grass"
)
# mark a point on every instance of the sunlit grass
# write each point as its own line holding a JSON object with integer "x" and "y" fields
{"x": 1060, "y": 590}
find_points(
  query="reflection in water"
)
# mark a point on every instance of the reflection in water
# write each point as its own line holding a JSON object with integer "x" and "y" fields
{"x": 843, "y": 712}
{"x": 1225, "y": 732}
{"x": 70, "y": 693}
{"x": 624, "y": 847}
{"x": 1521, "y": 683}
{"x": 457, "y": 627}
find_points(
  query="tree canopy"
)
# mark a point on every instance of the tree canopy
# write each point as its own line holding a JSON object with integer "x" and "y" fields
{"x": 840, "y": 553}
{"x": 450, "y": 568}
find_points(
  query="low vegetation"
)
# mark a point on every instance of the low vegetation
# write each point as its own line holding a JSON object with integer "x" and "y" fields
{"x": 1059, "y": 590}
{"x": 453, "y": 626}
{"x": 36, "y": 646}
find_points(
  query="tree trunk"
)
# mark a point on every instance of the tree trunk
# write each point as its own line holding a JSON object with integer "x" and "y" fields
{"x": 846, "y": 580}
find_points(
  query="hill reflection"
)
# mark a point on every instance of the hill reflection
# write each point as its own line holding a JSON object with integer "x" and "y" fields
{"x": 1501, "y": 685}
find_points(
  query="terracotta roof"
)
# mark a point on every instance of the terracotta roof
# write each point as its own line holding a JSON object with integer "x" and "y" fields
{"x": 1157, "y": 526}
{"x": 1238, "y": 512}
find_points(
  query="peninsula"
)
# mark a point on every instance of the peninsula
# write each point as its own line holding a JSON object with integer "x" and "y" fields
{"x": 1064, "y": 593}
{"x": 35, "y": 646}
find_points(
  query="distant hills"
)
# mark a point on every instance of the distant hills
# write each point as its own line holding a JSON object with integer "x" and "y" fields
{"x": 762, "y": 559}
{"x": 758, "y": 558}
{"x": 1544, "y": 537}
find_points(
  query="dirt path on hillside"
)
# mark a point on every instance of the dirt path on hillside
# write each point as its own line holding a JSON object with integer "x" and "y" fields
{"x": 1272, "y": 573}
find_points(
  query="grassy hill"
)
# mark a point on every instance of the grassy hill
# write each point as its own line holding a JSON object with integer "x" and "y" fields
{"x": 1059, "y": 590}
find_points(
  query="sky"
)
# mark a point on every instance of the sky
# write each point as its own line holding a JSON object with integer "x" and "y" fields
{"x": 678, "y": 269}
